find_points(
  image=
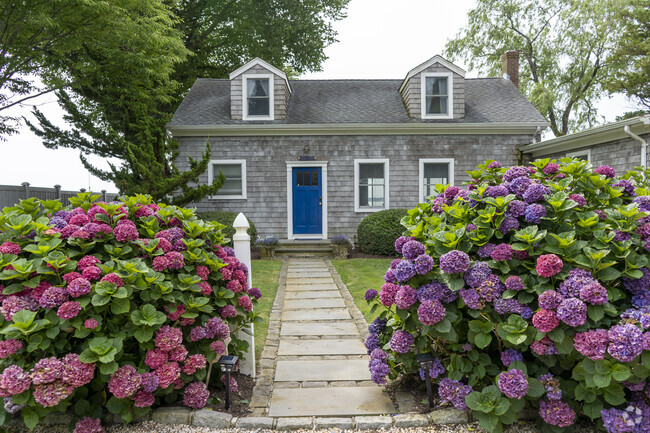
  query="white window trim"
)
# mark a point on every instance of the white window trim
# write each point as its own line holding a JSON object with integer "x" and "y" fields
{"x": 423, "y": 161}
{"x": 586, "y": 152}
{"x": 358, "y": 208}
{"x": 211, "y": 173}
{"x": 450, "y": 95}
{"x": 245, "y": 78}
{"x": 290, "y": 166}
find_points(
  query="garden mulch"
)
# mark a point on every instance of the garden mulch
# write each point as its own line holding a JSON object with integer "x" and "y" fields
{"x": 239, "y": 400}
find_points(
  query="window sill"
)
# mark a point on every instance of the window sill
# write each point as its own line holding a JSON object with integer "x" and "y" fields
{"x": 227, "y": 197}
{"x": 369, "y": 209}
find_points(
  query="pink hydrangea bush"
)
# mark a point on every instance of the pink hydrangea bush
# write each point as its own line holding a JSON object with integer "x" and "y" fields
{"x": 114, "y": 307}
{"x": 536, "y": 294}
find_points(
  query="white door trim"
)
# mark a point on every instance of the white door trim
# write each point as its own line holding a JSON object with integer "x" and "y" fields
{"x": 290, "y": 166}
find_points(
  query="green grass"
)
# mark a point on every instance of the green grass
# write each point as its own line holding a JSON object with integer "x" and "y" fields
{"x": 265, "y": 278}
{"x": 360, "y": 275}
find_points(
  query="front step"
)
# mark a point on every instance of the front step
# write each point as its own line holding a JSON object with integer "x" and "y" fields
{"x": 320, "y": 247}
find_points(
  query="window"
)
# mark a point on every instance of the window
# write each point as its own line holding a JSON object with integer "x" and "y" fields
{"x": 257, "y": 97}
{"x": 235, "y": 171}
{"x": 435, "y": 171}
{"x": 583, "y": 155}
{"x": 371, "y": 185}
{"x": 437, "y": 95}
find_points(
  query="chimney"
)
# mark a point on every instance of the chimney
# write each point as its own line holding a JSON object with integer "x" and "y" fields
{"x": 510, "y": 66}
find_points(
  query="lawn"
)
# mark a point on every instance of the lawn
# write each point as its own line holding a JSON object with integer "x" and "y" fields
{"x": 360, "y": 275}
{"x": 265, "y": 278}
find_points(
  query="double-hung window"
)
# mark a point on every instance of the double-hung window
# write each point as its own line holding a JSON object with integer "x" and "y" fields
{"x": 582, "y": 155}
{"x": 235, "y": 172}
{"x": 370, "y": 185}
{"x": 434, "y": 171}
{"x": 258, "y": 96}
{"x": 437, "y": 95}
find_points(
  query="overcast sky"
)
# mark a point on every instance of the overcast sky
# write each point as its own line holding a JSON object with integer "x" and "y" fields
{"x": 376, "y": 40}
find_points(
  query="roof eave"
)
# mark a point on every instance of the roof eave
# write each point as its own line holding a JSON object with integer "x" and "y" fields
{"x": 357, "y": 129}
{"x": 589, "y": 137}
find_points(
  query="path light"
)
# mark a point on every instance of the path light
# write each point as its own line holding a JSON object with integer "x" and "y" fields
{"x": 426, "y": 363}
{"x": 227, "y": 363}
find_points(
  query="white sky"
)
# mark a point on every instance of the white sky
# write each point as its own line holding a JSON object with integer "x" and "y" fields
{"x": 378, "y": 39}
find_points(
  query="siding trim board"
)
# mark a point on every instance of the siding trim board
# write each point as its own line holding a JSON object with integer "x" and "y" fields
{"x": 459, "y": 128}
{"x": 290, "y": 166}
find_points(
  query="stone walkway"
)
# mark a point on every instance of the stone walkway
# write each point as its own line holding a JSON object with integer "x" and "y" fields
{"x": 318, "y": 363}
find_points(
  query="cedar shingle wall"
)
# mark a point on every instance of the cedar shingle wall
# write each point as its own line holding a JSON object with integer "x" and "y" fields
{"x": 280, "y": 94}
{"x": 413, "y": 97}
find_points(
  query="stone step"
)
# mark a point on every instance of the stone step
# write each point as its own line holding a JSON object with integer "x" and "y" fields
{"x": 307, "y": 281}
{"x": 311, "y": 287}
{"x": 329, "y": 370}
{"x": 316, "y": 314}
{"x": 319, "y": 328}
{"x": 308, "y": 294}
{"x": 321, "y": 347}
{"x": 308, "y": 275}
{"x": 339, "y": 401}
{"x": 301, "y": 304}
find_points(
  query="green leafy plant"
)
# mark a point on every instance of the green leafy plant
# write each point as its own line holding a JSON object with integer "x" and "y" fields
{"x": 377, "y": 232}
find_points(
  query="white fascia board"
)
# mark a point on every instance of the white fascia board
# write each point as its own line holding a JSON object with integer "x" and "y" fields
{"x": 589, "y": 137}
{"x": 357, "y": 129}
{"x": 435, "y": 59}
{"x": 259, "y": 62}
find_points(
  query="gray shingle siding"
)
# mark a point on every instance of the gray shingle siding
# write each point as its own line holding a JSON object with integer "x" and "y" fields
{"x": 280, "y": 94}
{"x": 266, "y": 203}
{"x": 413, "y": 97}
{"x": 622, "y": 155}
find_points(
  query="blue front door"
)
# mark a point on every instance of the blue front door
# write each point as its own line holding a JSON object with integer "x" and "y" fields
{"x": 307, "y": 201}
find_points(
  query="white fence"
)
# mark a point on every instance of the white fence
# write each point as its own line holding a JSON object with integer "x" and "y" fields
{"x": 242, "y": 247}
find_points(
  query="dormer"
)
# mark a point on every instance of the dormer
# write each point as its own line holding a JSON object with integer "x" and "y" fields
{"x": 434, "y": 90}
{"x": 259, "y": 92}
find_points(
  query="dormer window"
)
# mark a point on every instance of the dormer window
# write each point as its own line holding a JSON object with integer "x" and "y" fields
{"x": 437, "y": 95}
{"x": 258, "y": 96}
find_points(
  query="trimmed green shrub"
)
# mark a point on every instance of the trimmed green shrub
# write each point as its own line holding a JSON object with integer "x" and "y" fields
{"x": 377, "y": 232}
{"x": 529, "y": 289}
{"x": 115, "y": 306}
{"x": 227, "y": 218}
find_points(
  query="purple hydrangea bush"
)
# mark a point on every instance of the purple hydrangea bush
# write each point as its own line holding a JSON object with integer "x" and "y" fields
{"x": 535, "y": 294}
{"x": 115, "y": 307}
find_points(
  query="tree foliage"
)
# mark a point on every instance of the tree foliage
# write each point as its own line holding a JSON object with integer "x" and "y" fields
{"x": 633, "y": 52}
{"x": 565, "y": 49}
{"x": 122, "y": 114}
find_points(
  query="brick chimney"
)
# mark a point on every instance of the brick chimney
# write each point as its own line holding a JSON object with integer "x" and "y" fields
{"x": 510, "y": 66}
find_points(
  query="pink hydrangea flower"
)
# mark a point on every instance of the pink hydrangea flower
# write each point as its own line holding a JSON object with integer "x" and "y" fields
{"x": 178, "y": 354}
{"x": 14, "y": 381}
{"x": 79, "y": 287}
{"x": 124, "y": 382}
{"x": 69, "y": 310}
{"x": 167, "y": 374}
{"x": 196, "y": 395}
{"x": 545, "y": 320}
{"x": 180, "y": 309}
{"x": 71, "y": 276}
{"x": 91, "y": 273}
{"x": 87, "y": 424}
{"x": 245, "y": 302}
{"x": 143, "y": 398}
{"x": 218, "y": 346}
{"x": 206, "y": 290}
{"x": 51, "y": 394}
{"x": 9, "y": 347}
{"x": 125, "y": 231}
{"x": 76, "y": 373}
{"x": 160, "y": 263}
{"x": 47, "y": 370}
{"x": 87, "y": 261}
{"x": 203, "y": 272}
{"x": 10, "y": 248}
{"x": 193, "y": 363}
{"x": 175, "y": 260}
{"x": 91, "y": 323}
{"x": 234, "y": 286}
{"x": 168, "y": 338}
{"x": 548, "y": 265}
{"x": 228, "y": 311}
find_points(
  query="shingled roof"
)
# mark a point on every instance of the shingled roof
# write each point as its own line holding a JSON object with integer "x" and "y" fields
{"x": 487, "y": 100}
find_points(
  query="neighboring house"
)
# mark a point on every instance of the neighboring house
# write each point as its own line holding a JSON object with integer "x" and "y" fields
{"x": 307, "y": 159}
{"x": 621, "y": 145}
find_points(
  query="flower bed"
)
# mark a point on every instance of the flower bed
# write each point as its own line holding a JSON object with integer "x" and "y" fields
{"x": 532, "y": 288}
{"x": 118, "y": 306}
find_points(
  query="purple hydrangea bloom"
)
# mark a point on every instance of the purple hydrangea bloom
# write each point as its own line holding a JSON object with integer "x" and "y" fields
{"x": 431, "y": 312}
{"x": 580, "y": 200}
{"x": 387, "y": 294}
{"x": 451, "y": 192}
{"x": 556, "y": 412}
{"x": 53, "y": 297}
{"x": 454, "y": 262}
{"x": 491, "y": 288}
{"x": 509, "y": 356}
{"x": 390, "y": 276}
{"x": 399, "y": 243}
{"x": 625, "y": 342}
{"x": 423, "y": 264}
{"x": 526, "y": 312}
{"x": 638, "y": 315}
{"x": 502, "y": 253}
{"x": 401, "y": 341}
{"x": 545, "y": 320}
{"x": 436, "y": 370}
{"x": 508, "y": 223}
{"x": 125, "y": 231}
{"x": 507, "y": 306}
{"x": 606, "y": 171}
{"x": 577, "y": 279}
{"x": 496, "y": 191}
{"x": 594, "y": 293}
{"x": 470, "y": 227}
{"x": 534, "y": 213}
{"x": 378, "y": 366}
{"x": 513, "y": 383}
{"x": 621, "y": 236}
{"x": 124, "y": 382}
{"x": 551, "y": 168}
{"x": 149, "y": 381}
{"x": 517, "y": 208}
{"x": 592, "y": 343}
{"x": 644, "y": 202}
{"x": 519, "y": 186}
{"x": 404, "y": 271}
{"x": 572, "y": 311}
{"x": 514, "y": 172}
{"x": 377, "y": 325}
{"x": 549, "y": 300}
{"x": 471, "y": 298}
{"x": 514, "y": 282}
{"x": 552, "y": 386}
{"x": 412, "y": 249}
{"x": 454, "y": 392}
{"x": 494, "y": 164}
{"x": 436, "y": 290}
{"x": 628, "y": 187}
{"x": 535, "y": 192}
{"x": 477, "y": 274}
{"x": 406, "y": 297}
{"x": 485, "y": 250}
{"x": 619, "y": 421}
{"x": 370, "y": 294}
{"x": 372, "y": 343}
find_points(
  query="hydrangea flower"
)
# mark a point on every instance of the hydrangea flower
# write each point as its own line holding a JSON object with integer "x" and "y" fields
{"x": 399, "y": 243}
{"x": 406, "y": 296}
{"x": 149, "y": 381}
{"x": 572, "y": 311}
{"x": 401, "y": 341}
{"x": 509, "y": 356}
{"x": 218, "y": 347}
{"x": 454, "y": 392}
{"x": 644, "y": 202}
{"x": 544, "y": 347}
{"x": 535, "y": 192}
{"x": 215, "y": 327}
{"x": 594, "y": 293}
{"x": 477, "y": 274}
{"x": 370, "y": 294}
{"x": 89, "y": 425}
{"x": 514, "y": 282}
{"x": 245, "y": 303}
{"x": 625, "y": 342}
{"x": 619, "y": 421}
{"x": 53, "y": 297}
{"x": 549, "y": 300}
{"x": 514, "y": 172}
{"x": 193, "y": 363}
{"x": 91, "y": 273}
{"x": 423, "y": 264}
{"x": 548, "y": 265}
{"x": 551, "y": 168}
{"x": 556, "y": 412}
{"x": 545, "y": 320}
{"x": 156, "y": 358}
{"x": 507, "y": 306}
{"x": 168, "y": 338}
{"x": 485, "y": 251}
{"x": 454, "y": 262}
{"x": 175, "y": 260}
{"x": 51, "y": 394}
{"x": 387, "y": 294}
{"x": 496, "y": 191}
{"x": 68, "y": 310}
{"x": 606, "y": 171}
{"x": 124, "y": 382}
{"x": 494, "y": 165}
{"x": 167, "y": 374}
{"x": 436, "y": 370}
{"x": 196, "y": 395}
{"x": 577, "y": 279}
{"x": 233, "y": 383}
{"x": 412, "y": 249}
{"x": 534, "y": 213}
{"x": 628, "y": 187}
{"x": 552, "y": 386}
{"x": 91, "y": 323}
{"x": 502, "y": 253}
{"x": 371, "y": 343}
{"x": 517, "y": 208}
{"x": 125, "y": 231}
{"x": 228, "y": 311}
{"x": 513, "y": 383}
{"x": 9, "y": 347}
{"x": 178, "y": 354}
{"x": 143, "y": 398}
{"x": 254, "y": 292}
{"x": 14, "y": 381}
{"x": 404, "y": 271}
{"x": 491, "y": 288}
{"x": 509, "y": 223}
{"x": 519, "y": 186}
{"x": 580, "y": 200}
{"x": 377, "y": 325}
{"x": 431, "y": 312}
{"x": 87, "y": 261}
{"x": 471, "y": 298}
{"x": 79, "y": 287}
{"x": 9, "y": 247}
{"x": 46, "y": 370}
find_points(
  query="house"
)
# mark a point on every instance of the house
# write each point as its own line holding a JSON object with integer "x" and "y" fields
{"x": 308, "y": 159}
{"x": 621, "y": 145}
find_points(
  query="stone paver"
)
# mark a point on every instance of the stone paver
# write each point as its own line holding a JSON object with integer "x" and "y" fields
{"x": 344, "y": 369}
{"x": 333, "y": 402}
{"x": 317, "y": 314}
{"x": 308, "y": 294}
{"x": 318, "y": 328}
{"x": 308, "y": 275}
{"x": 321, "y": 347}
{"x": 307, "y": 281}
{"x": 301, "y": 304}
{"x": 311, "y": 287}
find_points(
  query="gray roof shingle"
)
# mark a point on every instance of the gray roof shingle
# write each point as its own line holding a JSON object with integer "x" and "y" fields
{"x": 487, "y": 100}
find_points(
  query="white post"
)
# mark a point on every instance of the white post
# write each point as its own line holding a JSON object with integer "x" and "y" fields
{"x": 242, "y": 247}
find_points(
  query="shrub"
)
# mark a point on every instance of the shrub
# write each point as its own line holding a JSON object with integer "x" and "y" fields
{"x": 227, "y": 219}
{"x": 342, "y": 240}
{"x": 532, "y": 289}
{"x": 377, "y": 232}
{"x": 267, "y": 242}
{"x": 120, "y": 305}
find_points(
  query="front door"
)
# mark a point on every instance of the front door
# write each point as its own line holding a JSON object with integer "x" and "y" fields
{"x": 307, "y": 201}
